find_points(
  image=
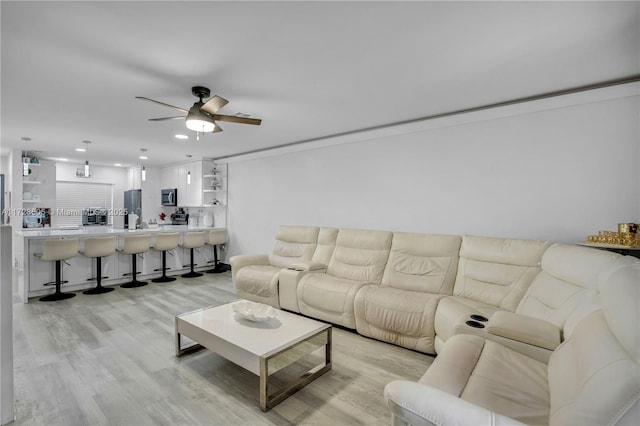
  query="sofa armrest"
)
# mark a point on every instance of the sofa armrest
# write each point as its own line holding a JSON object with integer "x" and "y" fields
{"x": 240, "y": 261}
{"x": 416, "y": 404}
{"x": 307, "y": 266}
{"x": 522, "y": 328}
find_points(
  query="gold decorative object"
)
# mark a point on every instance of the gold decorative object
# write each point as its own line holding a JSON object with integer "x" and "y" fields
{"x": 628, "y": 228}
{"x": 626, "y": 236}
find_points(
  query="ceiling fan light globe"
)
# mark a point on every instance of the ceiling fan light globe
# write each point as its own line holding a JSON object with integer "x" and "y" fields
{"x": 200, "y": 125}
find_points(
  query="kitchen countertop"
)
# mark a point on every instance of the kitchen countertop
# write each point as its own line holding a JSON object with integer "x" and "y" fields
{"x": 86, "y": 231}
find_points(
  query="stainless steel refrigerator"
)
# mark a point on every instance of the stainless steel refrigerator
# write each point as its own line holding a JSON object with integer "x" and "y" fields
{"x": 132, "y": 205}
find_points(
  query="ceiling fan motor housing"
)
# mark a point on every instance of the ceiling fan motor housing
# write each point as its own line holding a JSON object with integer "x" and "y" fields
{"x": 200, "y": 92}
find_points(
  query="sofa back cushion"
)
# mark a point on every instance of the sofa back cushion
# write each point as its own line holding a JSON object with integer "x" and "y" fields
{"x": 594, "y": 376}
{"x": 497, "y": 271}
{"x": 568, "y": 279}
{"x": 360, "y": 255}
{"x": 293, "y": 244}
{"x": 326, "y": 245}
{"x": 422, "y": 262}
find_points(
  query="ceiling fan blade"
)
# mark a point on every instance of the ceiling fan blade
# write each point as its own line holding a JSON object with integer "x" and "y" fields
{"x": 235, "y": 119}
{"x": 214, "y": 104}
{"x": 217, "y": 128}
{"x": 167, "y": 118}
{"x": 162, "y": 103}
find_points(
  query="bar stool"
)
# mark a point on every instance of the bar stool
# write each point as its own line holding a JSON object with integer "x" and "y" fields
{"x": 99, "y": 247}
{"x": 134, "y": 245}
{"x": 165, "y": 241}
{"x": 191, "y": 241}
{"x": 58, "y": 250}
{"x": 216, "y": 237}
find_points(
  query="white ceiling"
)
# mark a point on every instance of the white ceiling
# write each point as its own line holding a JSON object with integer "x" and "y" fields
{"x": 71, "y": 70}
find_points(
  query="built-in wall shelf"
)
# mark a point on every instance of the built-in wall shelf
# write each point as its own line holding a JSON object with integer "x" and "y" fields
{"x": 212, "y": 176}
{"x": 30, "y": 201}
{"x": 31, "y": 182}
{"x": 214, "y": 190}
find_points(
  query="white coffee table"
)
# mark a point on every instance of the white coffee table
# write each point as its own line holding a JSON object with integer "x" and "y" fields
{"x": 263, "y": 348}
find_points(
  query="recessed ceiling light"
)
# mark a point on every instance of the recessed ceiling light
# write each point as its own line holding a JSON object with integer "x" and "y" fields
{"x": 144, "y": 157}
{"x": 182, "y": 137}
{"x": 117, "y": 164}
{"x": 80, "y": 149}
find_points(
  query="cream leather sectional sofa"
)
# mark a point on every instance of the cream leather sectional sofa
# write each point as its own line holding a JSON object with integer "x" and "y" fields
{"x": 525, "y": 331}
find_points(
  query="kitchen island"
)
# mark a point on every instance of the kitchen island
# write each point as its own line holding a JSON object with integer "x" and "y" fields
{"x": 80, "y": 270}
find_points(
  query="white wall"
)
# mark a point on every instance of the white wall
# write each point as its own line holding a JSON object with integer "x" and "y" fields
{"x": 558, "y": 171}
{"x": 99, "y": 174}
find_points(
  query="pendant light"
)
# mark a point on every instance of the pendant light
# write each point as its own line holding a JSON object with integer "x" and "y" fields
{"x": 87, "y": 171}
{"x": 189, "y": 172}
{"x": 143, "y": 172}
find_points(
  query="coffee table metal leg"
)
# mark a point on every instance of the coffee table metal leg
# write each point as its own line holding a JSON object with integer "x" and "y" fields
{"x": 180, "y": 350}
{"x": 268, "y": 401}
{"x": 264, "y": 384}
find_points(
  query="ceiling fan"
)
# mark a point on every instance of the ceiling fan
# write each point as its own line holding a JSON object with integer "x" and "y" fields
{"x": 202, "y": 116}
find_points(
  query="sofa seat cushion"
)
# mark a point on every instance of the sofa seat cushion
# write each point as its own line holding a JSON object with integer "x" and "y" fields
{"x": 328, "y": 298}
{"x": 402, "y": 317}
{"x": 492, "y": 376}
{"x": 258, "y": 283}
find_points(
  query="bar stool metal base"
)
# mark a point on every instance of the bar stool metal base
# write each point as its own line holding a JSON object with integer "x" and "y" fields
{"x": 134, "y": 284}
{"x": 163, "y": 279}
{"x": 98, "y": 290}
{"x": 57, "y": 296}
{"x": 134, "y": 273}
{"x": 191, "y": 273}
{"x": 217, "y": 268}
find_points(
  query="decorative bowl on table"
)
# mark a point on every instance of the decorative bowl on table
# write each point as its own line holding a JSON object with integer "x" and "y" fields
{"x": 257, "y": 312}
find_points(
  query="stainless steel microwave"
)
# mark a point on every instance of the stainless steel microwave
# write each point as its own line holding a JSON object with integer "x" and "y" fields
{"x": 169, "y": 197}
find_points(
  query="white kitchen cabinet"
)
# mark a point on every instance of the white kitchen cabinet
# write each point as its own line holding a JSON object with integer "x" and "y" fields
{"x": 181, "y": 184}
{"x": 193, "y": 185}
{"x": 134, "y": 177}
{"x": 169, "y": 177}
{"x": 200, "y": 183}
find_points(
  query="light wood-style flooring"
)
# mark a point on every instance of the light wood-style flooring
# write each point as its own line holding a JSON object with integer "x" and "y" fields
{"x": 109, "y": 360}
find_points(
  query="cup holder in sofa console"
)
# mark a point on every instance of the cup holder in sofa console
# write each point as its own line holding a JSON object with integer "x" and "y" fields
{"x": 475, "y": 324}
{"x": 479, "y": 318}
